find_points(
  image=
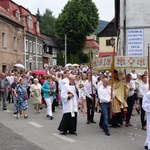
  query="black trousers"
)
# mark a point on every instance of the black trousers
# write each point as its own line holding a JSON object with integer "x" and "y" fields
{"x": 90, "y": 108}
{"x": 143, "y": 121}
{"x": 130, "y": 102}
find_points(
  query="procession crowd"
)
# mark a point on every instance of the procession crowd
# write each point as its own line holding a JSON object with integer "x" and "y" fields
{"x": 79, "y": 89}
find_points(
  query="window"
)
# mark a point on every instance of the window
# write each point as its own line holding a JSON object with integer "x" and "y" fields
{"x": 30, "y": 46}
{"x": 47, "y": 50}
{"x": 37, "y": 27}
{"x": 30, "y": 22}
{"x": 37, "y": 48}
{"x": 41, "y": 49}
{"x": 54, "y": 53}
{"x": 17, "y": 15}
{"x": 15, "y": 43}
{"x": 34, "y": 47}
{"x": 107, "y": 42}
{"x": 26, "y": 45}
{"x": 3, "y": 39}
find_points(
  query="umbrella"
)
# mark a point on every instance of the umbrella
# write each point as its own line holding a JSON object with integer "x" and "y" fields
{"x": 19, "y": 65}
{"x": 67, "y": 65}
{"x": 39, "y": 72}
{"x": 75, "y": 65}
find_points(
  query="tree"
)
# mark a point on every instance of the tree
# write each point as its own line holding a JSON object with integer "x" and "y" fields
{"x": 78, "y": 19}
{"x": 47, "y": 22}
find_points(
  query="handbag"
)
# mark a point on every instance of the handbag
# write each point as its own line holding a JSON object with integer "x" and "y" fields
{"x": 25, "y": 97}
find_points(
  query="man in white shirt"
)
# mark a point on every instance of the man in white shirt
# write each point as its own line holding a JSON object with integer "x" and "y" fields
{"x": 90, "y": 90}
{"x": 133, "y": 74}
{"x": 143, "y": 89}
{"x": 130, "y": 99}
{"x": 104, "y": 95}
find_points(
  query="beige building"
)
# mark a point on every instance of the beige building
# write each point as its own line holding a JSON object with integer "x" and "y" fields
{"x": 11, "y": 41}
{"x": 105, "y": 49}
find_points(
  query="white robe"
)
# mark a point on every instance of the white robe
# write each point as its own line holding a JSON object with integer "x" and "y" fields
{"x": 71, "y": 105}
{"x": 146, "y": 107}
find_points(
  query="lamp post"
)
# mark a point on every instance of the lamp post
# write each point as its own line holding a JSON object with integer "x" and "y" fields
{"x": 65, "y": 48}
{"x": 148, "y": 61}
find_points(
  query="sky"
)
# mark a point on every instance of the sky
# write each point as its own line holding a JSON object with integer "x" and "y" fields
{"x": 105, "y": 7}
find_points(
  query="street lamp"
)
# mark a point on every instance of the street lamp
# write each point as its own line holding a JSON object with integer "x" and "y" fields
{"x": 112, "y": 41}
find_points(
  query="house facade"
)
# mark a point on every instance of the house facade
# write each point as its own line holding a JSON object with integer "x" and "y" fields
{"x": 105, "y": 49}
{"x": 133, "y": 26}
{"x": 91, "y": 46}
{"x": 50, "y": 49}
{"x": 33, "y": 42}
{"x": 11, "y": 41}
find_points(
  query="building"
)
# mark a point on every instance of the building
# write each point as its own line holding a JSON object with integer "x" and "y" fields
{"x": 33, "y": 43}
{"x": 91, "y": 46}
{"x": 133, "y": 26}
{"x": 11, "y": 40}
{"x": 105, "y": 49}
{"x": 51, "y": 46}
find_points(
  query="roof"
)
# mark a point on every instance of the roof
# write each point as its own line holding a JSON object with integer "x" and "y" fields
{"x": 6, "y": 15}
{"x": 10, "y": 6}
{"x": 109, "y": 30}
{"x": 106, "y": 54}
{"x": 90, "y": 42}
{"x": 50, "y": 40}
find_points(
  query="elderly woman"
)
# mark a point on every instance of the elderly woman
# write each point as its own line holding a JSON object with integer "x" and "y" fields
{"x": 49, "y": 89}
{"x": 21, "y": 98}
{"x": 35, "y": 90}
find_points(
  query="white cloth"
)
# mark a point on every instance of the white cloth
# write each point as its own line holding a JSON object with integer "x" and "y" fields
{"x": 88, "y": 89}
{"x": 10, "y": 79}
{"x": 104, "y": 94}
{"x": 146, "y": 107}
{"x": 49, "y": 102}
{"x": 134, "y": 76}
{"x": 143, "y": 89}
{"x": 69, "y": 105}
{"x": 99, "y": 84}
{"x": 63, "y": 82}
{"x": 131, "y": 84}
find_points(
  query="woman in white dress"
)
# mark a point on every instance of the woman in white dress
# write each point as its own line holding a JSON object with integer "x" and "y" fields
{"x": 35, "y": 90}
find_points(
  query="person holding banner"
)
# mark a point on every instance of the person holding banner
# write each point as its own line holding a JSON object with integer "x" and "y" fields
{"x": 90, "y": 90}
{"x": 119, "y": 105}
{"x": 104, "y": 95}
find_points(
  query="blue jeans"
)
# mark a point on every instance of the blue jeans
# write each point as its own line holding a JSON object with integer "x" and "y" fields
{"x": 105, "y": 107}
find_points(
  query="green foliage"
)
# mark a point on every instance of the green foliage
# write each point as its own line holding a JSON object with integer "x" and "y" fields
{"x": 47, "y": 22}
{"x": 101, "y": 25}
{"x": 60, "y": 59}
{"x": 78, "y": 19}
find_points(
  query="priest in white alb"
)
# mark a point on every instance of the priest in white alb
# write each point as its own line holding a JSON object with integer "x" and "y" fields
{"x": 146, "y": 107}
{"x": 69, "y": 97}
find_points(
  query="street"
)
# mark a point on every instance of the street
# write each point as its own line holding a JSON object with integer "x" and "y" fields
{"x": 38, "y": 132}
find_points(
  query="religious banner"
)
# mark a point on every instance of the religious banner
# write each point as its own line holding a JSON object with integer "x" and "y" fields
{"x": 121, "y": 62}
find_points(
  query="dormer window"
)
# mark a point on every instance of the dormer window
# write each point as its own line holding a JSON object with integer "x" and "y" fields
{"x": 17, "y": 15}
{"x": 30, "y": 22}
{"x": 37, "y": 27}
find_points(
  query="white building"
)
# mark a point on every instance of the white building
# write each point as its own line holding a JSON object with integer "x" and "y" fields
{"x": 133, "y": 24}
